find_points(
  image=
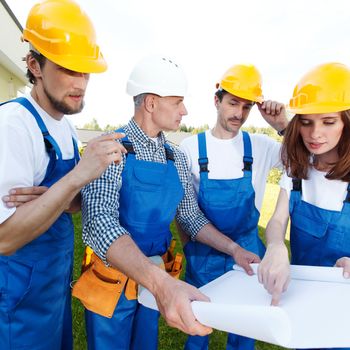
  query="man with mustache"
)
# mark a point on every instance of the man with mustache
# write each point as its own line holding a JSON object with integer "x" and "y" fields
{"x": 41, "y": 177}
{"x": 229, "y": 170}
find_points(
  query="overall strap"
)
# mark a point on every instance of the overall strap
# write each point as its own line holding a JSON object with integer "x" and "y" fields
{"x": 76, "y": 151}
{"x": 295, "y": 194}
{"x": 130, "y": 148}
{"x": 169, "y": 153}
{"x": 296, "y": 185}
{"x": 347, "y": 198}
{"x": 247, "y": 157}
{"x": 346, "y": 203}
{"x": 126, "y": 143}
{"x": 202, "y": 156}
{"x": 48, "y": 139}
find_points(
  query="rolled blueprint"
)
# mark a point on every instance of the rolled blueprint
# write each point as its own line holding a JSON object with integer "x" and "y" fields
{"x": 313, "y": 312}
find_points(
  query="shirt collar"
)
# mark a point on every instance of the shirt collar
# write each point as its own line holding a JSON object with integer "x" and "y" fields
{"x": 140, "y": 136}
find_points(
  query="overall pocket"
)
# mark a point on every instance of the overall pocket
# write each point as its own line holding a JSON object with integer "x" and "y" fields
{"x": 308, "y": 240}
{"x": 15, "y": 282}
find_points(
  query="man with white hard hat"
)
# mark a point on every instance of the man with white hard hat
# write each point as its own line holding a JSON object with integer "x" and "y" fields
{"x": 126, "y": 218}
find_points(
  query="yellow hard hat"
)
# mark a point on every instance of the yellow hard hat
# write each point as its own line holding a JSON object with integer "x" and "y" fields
{"x": 324, "y": 89}
{"x": 62, "y": 32}
{"x": 243, "y": 80}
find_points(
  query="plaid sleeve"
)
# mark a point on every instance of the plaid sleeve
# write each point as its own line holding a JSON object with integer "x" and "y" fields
{"x": 188, "y": 214}
{"x": 100, "y": 203}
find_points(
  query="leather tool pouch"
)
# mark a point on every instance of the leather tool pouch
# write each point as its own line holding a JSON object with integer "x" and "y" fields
{"x": 99, "y": 287}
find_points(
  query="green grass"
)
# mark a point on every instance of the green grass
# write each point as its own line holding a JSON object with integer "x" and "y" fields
{"x": 169, "y": 338}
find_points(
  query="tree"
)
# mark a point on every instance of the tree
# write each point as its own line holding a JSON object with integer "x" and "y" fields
{"x": 185, "y": 128}
{"x": 199, "y": 129}
{"x": 269, "y": 131}
{"x": 93, "y": 125}
{"x": 109, "y": 127}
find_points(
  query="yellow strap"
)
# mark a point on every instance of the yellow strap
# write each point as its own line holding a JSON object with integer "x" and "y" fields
{"x": 88, "y": 254}
{"x": 172, "y": 246}
{"x": 177, "y": 262}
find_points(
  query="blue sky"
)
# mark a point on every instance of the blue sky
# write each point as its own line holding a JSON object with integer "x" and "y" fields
{"x": 283, "y": 38}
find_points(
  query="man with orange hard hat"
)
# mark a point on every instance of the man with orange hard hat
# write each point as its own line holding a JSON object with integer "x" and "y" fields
{"x": 229, "y": 170}
{"x": 39, "y": 160}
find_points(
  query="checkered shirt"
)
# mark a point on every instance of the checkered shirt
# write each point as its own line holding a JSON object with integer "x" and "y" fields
{"x": 100, "y": 198}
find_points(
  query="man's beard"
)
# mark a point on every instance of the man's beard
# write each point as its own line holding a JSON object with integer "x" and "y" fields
{"x": 61, "y": 106}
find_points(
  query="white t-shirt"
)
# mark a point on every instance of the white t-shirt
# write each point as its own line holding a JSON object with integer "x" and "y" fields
{"x": 319, "y": 191}
{"x": 23, "y": 157}
{"x": 226, "y": 159}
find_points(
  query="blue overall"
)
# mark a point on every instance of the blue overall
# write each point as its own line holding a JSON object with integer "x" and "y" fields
{"x": 35, "y": 299}
{"x": 230, "y": 206}
{"x": 149, "y": 197}
{"x": 318, "y": 237}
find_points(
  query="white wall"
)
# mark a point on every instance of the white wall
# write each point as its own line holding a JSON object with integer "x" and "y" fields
{"x": 9, "y": 85}
{"x": 12, "y": 50}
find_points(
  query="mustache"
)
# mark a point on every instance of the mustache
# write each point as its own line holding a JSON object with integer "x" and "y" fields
{"x": 234, "y": 119}
{"x": 76, "y": 92}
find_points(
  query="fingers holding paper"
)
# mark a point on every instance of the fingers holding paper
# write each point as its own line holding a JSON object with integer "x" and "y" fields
{"x": 274, "y": 271}
{"x": 345, "y": 264}
{"x": 174, "y": 303}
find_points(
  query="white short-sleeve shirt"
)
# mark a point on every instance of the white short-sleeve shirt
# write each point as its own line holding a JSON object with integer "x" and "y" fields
{"x": 319, "y": 191}
{"x": 23, "y": 157}
{"x": 226, "y": 159}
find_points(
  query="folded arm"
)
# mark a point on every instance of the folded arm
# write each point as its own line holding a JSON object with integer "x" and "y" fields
{"x": 34, "y": 217}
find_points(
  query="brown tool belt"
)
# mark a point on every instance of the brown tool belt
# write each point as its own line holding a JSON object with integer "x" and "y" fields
{"x": 100, "y": 287}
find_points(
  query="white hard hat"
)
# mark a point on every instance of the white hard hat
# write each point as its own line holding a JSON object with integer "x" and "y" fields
{"x": 157, "y": 75}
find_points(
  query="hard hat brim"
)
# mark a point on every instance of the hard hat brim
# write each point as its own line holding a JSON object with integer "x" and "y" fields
{"x": 319, "y": 109}
{"x": 77, "y": 63}
{"x": 245, "y": 95}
